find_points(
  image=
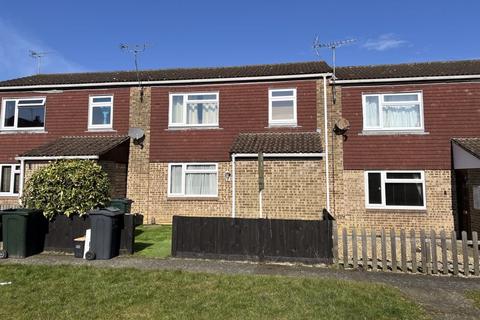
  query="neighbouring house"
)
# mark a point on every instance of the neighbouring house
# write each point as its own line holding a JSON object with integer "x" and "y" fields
{"x": 264, "y": 141}
{"x": 412, "y": 155}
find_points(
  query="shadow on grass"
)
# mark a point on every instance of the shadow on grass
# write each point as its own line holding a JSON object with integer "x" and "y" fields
{"x": 138, "y": 232}
{"x": 139, "y": 246}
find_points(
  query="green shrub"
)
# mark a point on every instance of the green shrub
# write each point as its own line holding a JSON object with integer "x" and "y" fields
{"x": 67, "y": 187}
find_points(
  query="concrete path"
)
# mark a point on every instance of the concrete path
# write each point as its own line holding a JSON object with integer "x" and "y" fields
{"x": 442, "y": 297}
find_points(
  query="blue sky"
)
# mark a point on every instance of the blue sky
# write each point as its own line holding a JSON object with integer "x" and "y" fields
{"x": 85, "y": 35}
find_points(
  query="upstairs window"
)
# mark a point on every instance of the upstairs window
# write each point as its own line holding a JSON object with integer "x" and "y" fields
{"x": 282, "y": 108}
{"x": 100, "y": 112}
{"x": 399, "y": 111}
{"x": 9, "y": 179}
{"x": 395, "y": 189}
{"x": 23, "y": 114}
{"x": 193, "y": 110}
{"x": 192, "y": 179}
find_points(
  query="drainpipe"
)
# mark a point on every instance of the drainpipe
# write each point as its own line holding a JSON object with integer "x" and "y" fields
{"x": 22, "y": 177}
{"x": 233, "y": 185}
{"x": 325, "y": 132}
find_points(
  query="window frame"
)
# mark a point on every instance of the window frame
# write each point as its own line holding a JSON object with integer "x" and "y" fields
{"x": 185, "y": 95}
{"x": 384, "y": 180}
{"x": 184, "y": 165}
{"x": 15, "y": 127}
{"x": 381, "y": 102}
{"x": 271, "y": 98}
{"x": 92, "y": 105}
{"x": 12, "y": 179}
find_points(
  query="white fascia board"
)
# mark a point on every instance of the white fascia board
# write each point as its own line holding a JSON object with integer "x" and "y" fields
{"x": 432, "y": 78}
{"x": 46, "y": 158}
{"x": 165, "y": 82}
{"x": 280, "y": 155}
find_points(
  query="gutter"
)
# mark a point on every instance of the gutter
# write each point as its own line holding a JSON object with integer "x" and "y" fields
{"x": 164, "y": 82}
{"x": 46, "y": 158}
{"x": 428, "y": 78}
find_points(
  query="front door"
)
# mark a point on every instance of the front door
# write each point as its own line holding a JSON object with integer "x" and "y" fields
{"x": 463, "y": 203}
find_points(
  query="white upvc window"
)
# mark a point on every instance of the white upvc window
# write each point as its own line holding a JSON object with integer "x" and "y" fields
{"x": 9, "y": 179}
{"x": 282, "y": 107}
{"x": 23, "y": 114}
{"x": 100, "y": 112}
{"x": 393, "y": 111}
{"x": 395, "y": 190}
{"x": 193, "y": 109}
{"x": 192, "y": 180}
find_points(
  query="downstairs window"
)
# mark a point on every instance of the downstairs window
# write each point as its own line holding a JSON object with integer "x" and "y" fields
{"x": 192, "y": 179}
{"x": 9, "y": 179}
{"x": 395, "y": 189}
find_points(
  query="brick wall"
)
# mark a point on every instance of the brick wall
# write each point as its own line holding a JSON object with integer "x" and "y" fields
{"x": 117, "y": 173}
{"x": 438, "y": 214}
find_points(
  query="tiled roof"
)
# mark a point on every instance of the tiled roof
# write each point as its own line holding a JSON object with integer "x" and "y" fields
{"x": 471, "y": 145}
{"x": 407, "y": 70}
{"x": 77, "y": 146}
{"x": 310, "y": 67}
{"x": 298, "y": 142}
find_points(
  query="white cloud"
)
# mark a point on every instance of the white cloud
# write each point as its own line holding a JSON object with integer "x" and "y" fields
{"x": 16, "y": 62}
{"x": 384, "y": 42}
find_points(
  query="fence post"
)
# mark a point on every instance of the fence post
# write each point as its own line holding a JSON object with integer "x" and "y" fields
{"x": 354, "y": 249}
{"x": 476, "y": 269}
{"x": 393, "y": 248}
{"x": 433, "y": 241}
{"x": 443, "y": 239}
{"x": 413, "y": 250}
{"x": 384, "y": 251}
{"x": 364, "y": 250}
{"x": 335, "y": 243}
{"x": 466, "y": 264}
{"x": 374, "y": 249}
{"x": 428, "y": 253}
{"x": 454, "y": 253}
{"x": 403, "y": 249}
{"x": 345, "y": 248}
{"x": 423, "y": 250}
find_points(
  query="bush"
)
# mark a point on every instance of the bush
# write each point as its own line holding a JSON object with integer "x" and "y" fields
{"x": 67, "y": 187}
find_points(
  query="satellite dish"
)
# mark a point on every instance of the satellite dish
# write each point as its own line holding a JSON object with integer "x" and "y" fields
{"x": 136, "y": 133}
{"x": 341, "y": 126}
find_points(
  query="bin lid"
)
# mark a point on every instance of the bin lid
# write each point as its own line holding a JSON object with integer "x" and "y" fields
{"x": 20, "y": 212}
{"x": 109, "y": 212}
{"x": 122, "y": 200}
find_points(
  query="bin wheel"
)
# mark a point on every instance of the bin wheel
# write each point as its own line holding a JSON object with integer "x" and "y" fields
{"x": 3, "y": 254}
{"x": 90, "y": 255}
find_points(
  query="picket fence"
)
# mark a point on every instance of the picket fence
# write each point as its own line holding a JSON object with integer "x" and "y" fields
{"x": 411, "y": 252}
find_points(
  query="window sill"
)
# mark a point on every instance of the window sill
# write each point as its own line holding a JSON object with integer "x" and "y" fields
{"x": 192, "y": 128}
{"x": 396, "y": 211}
{"x": 391, "y": 133}
{"x": 9, "y": 195}
{"x": 286, "y": 125}
{"x": 100, "y": 130}
{"x": 23, "y": 131}
{"x": 213, "y": 198}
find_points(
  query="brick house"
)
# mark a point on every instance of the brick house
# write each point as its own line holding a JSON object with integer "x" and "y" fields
{"x": 406, "y": 158}
{"x": 402, "y": 161}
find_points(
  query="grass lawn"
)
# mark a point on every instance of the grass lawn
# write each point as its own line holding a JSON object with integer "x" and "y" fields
{"x": 475, "y": 296}
{"x": 153, "y": 241}
{"x": 67, "y": 292}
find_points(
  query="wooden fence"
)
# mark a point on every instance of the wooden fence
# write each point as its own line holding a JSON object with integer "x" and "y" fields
{"x": 253, "y": 239}
{"x": 407, "y": 251}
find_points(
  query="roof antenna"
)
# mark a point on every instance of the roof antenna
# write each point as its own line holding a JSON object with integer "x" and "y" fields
{"x": 333, "y": 46}
{"x": 135, "y": 49}
{"x": 38, "y": 56}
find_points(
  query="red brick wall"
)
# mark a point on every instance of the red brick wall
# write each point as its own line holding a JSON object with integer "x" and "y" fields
{"x": 242, "y": 108}
{"x": 66, "y": 114}
{"x": 450, "y": 110}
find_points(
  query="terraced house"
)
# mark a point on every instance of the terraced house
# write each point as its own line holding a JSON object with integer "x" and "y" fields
{"x": 268, "y": 141}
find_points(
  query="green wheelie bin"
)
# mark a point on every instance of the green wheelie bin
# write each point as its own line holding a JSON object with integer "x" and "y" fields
{"x": 124, "y": 204}
{"x": 23, "y": 232}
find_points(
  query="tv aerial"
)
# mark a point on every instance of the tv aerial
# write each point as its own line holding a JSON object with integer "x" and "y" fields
{"x": 38, "y": 56}
{"x": 317, "y": 45}
{"x": 135, "y": 50}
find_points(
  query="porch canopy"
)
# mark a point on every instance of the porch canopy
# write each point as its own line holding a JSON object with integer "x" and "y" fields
{"x": 114, "y": 148}
{"x": 466, "y": 153}
{"x": 280, "y": 144}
